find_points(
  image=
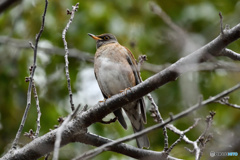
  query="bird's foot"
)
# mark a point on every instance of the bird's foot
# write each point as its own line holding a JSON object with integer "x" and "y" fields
{"x": 104, "y": 100}
{"x": 125, "y": 90}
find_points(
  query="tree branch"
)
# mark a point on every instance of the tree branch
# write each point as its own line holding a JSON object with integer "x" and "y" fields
{"x": 104, "y": 147}
{"x": 182, "y": 135}
{"x": 38, "y": 109}
{"x": 156, "y": 9}
{"x": 124, "y": 149}
{"x": 23, "y": 44}
{"x": 231, "y": 54}
{"x": 225, "y": 101}
{"x": 158, "y": 118}
{"x": 206, "y": 66}
{"x": 15, "y": 142}
{"x": 59, "y": 133}
{"x": 74, "y": 9}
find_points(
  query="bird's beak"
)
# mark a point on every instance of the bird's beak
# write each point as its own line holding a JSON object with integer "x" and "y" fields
{"x": 94, "y": 37}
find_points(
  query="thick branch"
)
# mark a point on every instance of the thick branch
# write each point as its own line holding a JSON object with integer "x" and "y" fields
{"x": 59, "y": 133}
{"x": 125, "y": 149}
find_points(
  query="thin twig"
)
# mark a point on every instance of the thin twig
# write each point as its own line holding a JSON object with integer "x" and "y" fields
{"x": 74, "y": 9}
{"x": 38, "y": 109}
{"x": 233, "y": 105}
{"x": 31, "y": 45}
{"x": 141, "y": 60}
{"x": 231, "y": 54}
{"x": 27, "y": 79}
{"x": 15, "y": 142}
{"x": 179, "y": 132}
{"x": 154, "y": 110}
{"x": 30, "y": 134}
{"x": 158, "y": 118}
{"x": 165, "y": 138}
{"x": 156, "y": 9}
{"x": 204, "y": 138}
{"x": 184, "y": 113}
{"x": 225, "y": 101}
{"x": 59, "y": 133}
{"x": 191, "y": 127}
{"x": 221, "y": 22}
{"x": 182, "y": 135}
{"x": 46, "y": 157}
{"x": 175, "y": 143}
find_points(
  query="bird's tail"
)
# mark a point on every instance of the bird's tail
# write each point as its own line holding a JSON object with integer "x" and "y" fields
{"x": 142, "y": 141}
{"x": 137, "y": 121}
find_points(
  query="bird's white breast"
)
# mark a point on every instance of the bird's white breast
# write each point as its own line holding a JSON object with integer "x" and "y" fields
{"x": 113, "y": 72}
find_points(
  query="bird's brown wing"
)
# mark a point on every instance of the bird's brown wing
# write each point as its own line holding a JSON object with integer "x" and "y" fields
{"x": 118, "y": 112}
{"x": 133, "y": 63}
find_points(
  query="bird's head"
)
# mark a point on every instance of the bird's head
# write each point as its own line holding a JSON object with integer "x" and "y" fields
{"x": 103, "y": 39}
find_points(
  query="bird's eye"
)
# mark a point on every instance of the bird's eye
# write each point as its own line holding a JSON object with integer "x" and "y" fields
{"x": 106, "y": 38}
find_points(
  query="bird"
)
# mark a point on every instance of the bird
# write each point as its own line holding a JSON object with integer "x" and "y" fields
{"x": 116, "y": 70}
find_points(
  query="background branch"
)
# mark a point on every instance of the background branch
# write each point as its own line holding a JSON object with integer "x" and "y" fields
{"x": 5, "y": 4}
{"x": 23, "y": 44}
{"x": 87, "y": 57}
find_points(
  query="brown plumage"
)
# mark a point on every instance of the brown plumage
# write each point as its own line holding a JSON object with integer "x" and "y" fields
{"x": 116, "y": 69}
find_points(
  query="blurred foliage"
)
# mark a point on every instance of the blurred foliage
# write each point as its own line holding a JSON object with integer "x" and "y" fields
{"x": 132, "y": 22}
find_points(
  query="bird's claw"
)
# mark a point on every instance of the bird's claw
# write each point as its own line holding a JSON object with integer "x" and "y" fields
{"x": 125, "y": 90}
